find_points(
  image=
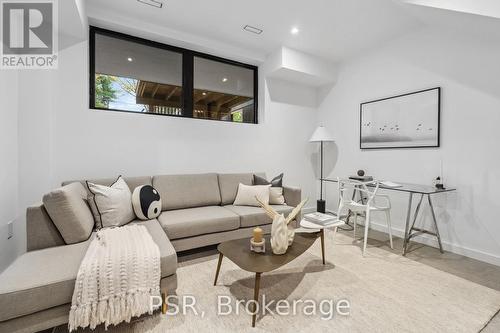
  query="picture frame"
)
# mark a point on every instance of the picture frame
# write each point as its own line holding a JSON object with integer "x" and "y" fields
{"x": 410, "y": 120}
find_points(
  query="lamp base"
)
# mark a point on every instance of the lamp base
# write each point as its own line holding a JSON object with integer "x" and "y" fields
{"x": 321, "y": 206}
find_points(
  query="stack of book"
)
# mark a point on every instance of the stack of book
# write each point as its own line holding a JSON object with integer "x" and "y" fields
{"x": 320, "y": 218}
{"x": 362, "y": 178}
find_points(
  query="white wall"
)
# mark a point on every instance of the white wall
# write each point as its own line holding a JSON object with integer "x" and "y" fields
{"x": 61, "y": 138}
{"x": 36, "y": 95}
{"x": 94, "y": 143}
{"x": 466, "y": 67}
{"x": 8, "y": 162}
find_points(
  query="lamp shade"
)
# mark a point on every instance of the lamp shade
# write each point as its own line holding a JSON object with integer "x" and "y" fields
{"x": 321, "y": 134}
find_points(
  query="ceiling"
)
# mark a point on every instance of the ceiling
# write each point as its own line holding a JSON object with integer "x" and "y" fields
{"x": 330, "y": 29}
{"x": 490, "y": 8}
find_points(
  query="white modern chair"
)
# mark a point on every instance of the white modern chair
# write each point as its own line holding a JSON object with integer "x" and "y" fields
{"x": 348, "y": 189}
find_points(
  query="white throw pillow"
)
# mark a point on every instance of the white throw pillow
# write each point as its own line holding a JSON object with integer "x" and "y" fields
{"x": 246, "y": 195}
{"x": 111, "y": 205}
{"x": 276, "y": 196}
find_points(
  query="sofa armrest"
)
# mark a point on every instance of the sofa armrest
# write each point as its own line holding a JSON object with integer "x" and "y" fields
{"x": 293, "y": 195}
{"x": 40, "y": 230}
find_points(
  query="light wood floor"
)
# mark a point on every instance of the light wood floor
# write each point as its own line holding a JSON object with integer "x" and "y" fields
{"x": 473, "y": 270}
{"x": 470, "y": 269}
{"x": 482, "y": 273}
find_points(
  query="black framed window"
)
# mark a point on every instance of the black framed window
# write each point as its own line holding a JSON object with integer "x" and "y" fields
{"x": 131, "y": 74}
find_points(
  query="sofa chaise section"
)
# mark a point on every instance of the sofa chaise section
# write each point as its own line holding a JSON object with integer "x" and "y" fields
{"x": 40, "y": 280}
{"x": 37, "y": 288}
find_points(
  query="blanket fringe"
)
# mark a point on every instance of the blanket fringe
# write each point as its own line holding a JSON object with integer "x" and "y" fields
{"x": 112, "y": 311}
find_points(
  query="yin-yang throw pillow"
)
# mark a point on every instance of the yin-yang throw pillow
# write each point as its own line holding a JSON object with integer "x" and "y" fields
{"x": 146, "y": 202}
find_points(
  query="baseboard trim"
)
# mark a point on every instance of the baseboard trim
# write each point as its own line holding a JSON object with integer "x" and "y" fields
{"x": 450, "y": 247}
{"x": 431, "y": 241}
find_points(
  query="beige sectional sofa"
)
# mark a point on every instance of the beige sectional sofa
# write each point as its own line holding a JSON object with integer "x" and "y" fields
{"x": 197, "y": 210}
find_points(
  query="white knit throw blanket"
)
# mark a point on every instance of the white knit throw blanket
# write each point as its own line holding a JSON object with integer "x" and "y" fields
{"x": 116, "y": 279}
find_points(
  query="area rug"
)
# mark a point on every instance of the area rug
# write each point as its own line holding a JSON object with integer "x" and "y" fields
{"x": 386, "y": 293}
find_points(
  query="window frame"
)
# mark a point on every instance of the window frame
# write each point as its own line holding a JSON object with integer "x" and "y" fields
{"x": 187, "y": 73}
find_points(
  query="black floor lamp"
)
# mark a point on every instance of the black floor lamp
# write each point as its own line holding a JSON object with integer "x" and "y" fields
{"x": 321, "y": 135}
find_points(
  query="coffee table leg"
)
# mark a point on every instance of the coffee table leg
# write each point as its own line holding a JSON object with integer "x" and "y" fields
{"x": 255, "y": 297}
{"x": 322, "y": 233}
{"x": 218, "y": 268}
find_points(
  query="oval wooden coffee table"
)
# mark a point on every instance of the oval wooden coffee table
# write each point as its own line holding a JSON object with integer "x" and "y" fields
{"x": 238, "y": 251}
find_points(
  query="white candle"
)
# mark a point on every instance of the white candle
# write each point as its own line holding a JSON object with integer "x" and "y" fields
{"x": 257, "y": 235}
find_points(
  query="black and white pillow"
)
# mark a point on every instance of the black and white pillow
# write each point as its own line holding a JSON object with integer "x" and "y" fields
{"x": 276, "y": 191}
{"x": 146, "y": 202}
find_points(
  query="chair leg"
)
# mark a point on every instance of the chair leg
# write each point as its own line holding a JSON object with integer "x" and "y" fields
{"x": 388, "y": 217}
{"x": 367, "y": 226}
{"x": 355, "y": 223}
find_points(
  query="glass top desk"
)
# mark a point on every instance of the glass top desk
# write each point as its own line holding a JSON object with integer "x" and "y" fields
{"x": 423, "y": 191}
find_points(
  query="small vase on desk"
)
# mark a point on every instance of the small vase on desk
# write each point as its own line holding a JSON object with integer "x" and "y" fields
{"x": 438, "y": 183}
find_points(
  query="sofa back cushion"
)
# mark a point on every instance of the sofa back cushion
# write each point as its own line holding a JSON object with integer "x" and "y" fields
{"x": 41, "y": 232}
{"x": 228, "y": 183}
{"x": 67, "y": 207}
{"x": 132, "y": 182}
{"x": 187, "y": 191}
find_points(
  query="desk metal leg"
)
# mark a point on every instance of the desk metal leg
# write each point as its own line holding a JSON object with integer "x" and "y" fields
{"x": 435, "y": 223}
{"x": 416, "y": 212}
{"x": 407, "y": 225}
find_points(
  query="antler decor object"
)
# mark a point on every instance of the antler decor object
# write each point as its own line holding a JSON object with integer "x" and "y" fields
{"x": 281, "y": 235}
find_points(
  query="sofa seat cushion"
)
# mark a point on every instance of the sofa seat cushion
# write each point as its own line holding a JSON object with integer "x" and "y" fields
{"x": 43, "y": 279}
{"x": 190, "y": 222}
{"x": 253, "y": 216}
{"x": 40, "y": 280}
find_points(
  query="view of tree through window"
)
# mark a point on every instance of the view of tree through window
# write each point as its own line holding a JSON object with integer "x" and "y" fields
{"x": 138, "y": 78}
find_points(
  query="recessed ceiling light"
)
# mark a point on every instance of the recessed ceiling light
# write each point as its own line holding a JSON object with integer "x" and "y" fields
{"x": 130, "y": 59}
{"x": 154, "y": 3}
{"x": 251, "y": 29}
{"x": 294, "y": 30}
{"x": 224, "y": 79}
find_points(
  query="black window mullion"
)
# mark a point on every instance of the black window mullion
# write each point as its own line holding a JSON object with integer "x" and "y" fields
{"x": 92, "y": 68}
{"x": 187, "y": 83}
{"x": 255, "y": 96}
